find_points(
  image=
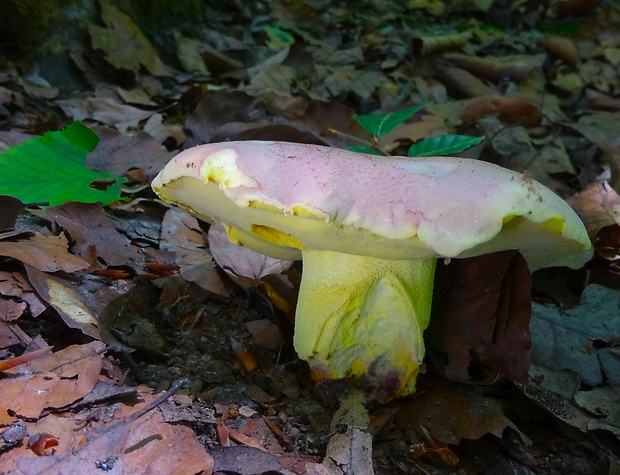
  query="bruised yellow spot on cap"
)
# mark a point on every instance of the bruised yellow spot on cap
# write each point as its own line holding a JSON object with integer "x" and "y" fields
{"x": 275, "y": 236}
{"x": 221, "y": 168}
{"x": 303, "y": 211}
{"x": 555, "y": 225}
{"x": 306, "y": 211}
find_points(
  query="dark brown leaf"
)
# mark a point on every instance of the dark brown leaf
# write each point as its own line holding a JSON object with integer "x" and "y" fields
{"x": 452, "y": 412}
{"x": 94, "y": 234}
{"x": 10, "y": 209}
{"x": 481, "y": 314}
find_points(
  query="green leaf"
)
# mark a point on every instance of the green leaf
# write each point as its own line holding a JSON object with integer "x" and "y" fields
{"x": 443, "y": 145}
{"x": 51, "y": 169}
{"x": 381, "y": 124}
{"x": 278, "y": 38}
{"x": 362, "y": 149}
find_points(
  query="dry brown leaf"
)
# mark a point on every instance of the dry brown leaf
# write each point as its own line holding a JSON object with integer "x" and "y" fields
{"x": 94, "y": 235}
{"x": 11, "y": 309}
{"x": 13, "y": 284}
{"x": 181, "y": 234}
{"x": 258, "y": 429}
{"x": 265, "y": 333}
{"x": 598, "y": 206}
{"x": 425, "y": 126}
{"x": 66, "y": 300}
{"x": 575, "y": 7}
{"x": 481, "y": 314}
{"x": 11, "y": 334}
{"x": 276, "y": 78}
{"x": 561, "y": 47}
{"x": 25, "y": 358}
{"x": 189, "y": 52}
{"x": 452, "y": 412}
{"x": 465, "y": 82}
{"x": 218, "y": 62}
{"x": 45, "y": 253}
{"x": 124, "y": 45}
{"x": 240, "y": 261}
{"x": 105, "y": 110}
{"x": 174, "y": 450}
{"x": 515, "y": 67}
{"x": 172, "y": 134}
{"x": 116, "y": 153}
{"x": 138, "y": 442}
{"x": 510, "y": 110}
{"x": 10, "y": 209}
{"x": 217, "y": 109}
{"x": 7, "y": 96}
{"x": 51, "y": 381}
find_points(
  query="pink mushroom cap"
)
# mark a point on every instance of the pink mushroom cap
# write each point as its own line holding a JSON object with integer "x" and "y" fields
{"x": 278, "y": 198}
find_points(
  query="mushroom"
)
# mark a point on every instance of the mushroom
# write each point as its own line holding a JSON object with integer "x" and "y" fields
{"x": 369, "y": 230}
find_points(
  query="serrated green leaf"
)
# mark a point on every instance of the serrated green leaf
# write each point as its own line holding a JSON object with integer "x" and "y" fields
{"x": 443, "y": 145}
{"x": 51, "y": 169}
{"x": 381, "y": 124}
{"x": 362, "y": 149}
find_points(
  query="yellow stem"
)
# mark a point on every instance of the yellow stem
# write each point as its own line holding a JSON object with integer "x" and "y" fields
{"x": 364, "y": 317}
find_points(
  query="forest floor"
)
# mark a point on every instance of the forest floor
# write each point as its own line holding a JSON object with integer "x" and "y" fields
{"x": 105, "y": 308}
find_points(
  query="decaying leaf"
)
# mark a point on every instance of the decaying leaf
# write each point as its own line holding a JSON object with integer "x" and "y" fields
{"x": 51, "y": 381}
{"x": 66, "y": 300}
{"x": 481, "y": 314}
{"x": 454, "y": 412}
{"x": 580, "y": 339}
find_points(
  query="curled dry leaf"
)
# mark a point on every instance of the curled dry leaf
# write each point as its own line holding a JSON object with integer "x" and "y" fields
{"x": 465, "y": 82}
{"x": 423, "y": 45}
{"x": 561, "y": 47}
{"x": 515, "y": 68}
{"x": 40, "y": 443}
